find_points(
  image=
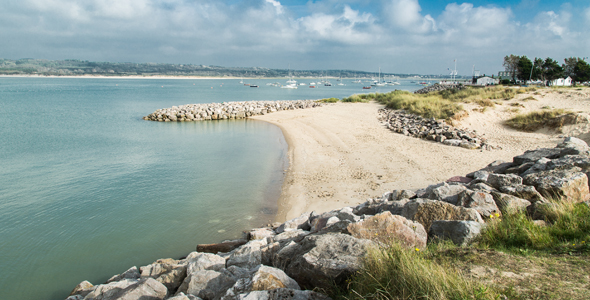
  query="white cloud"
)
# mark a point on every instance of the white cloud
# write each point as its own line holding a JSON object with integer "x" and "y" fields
{"x": 277, "y": 5}
{"x": 340, "y": 28}
{"x": 405, "y": 14}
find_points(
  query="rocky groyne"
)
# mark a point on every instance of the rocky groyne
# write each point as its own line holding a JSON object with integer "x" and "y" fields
{"x": 430, "y": 129}
{"x": 226, "y": 110}
{"x": 288, "y": 260}
{"x": 439, "y": 87}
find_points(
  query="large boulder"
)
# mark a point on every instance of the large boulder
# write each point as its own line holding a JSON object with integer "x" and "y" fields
{"x": 322, "y": 260}
{"x": 204, "y": 261}
{"x": 300, "y": 222}
{"x": 129, "y": 289}
{"x": 386, "y": 227}
{"x": 283, "y": 294}
{"x": 207, "y": 284}
{"x": 509, "y": 203}
{"x": 446, "y": 192}
{"x": 526, "y": 192}
{"x": 261, "y": 278}
{"x": 248, "y": 255}
{"x": 426, "y": 211}
{"x": 574, "y": 146}
{"x": 260, "y": 233}
{"x": 500, "y": 180}
{"x": 171, "y": 273}
{"x": 535, "y": 155}
{"x": 569, "y": 184}
{"x": 225, "y": 246}
{"x": 82, "y": 289}
{"x": 131, "y": 273}
{"x": 460, "y": 232}
{"x": 482, "y": 202}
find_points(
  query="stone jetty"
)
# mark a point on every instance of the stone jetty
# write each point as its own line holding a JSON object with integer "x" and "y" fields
{"x": 295, "y": 259}
{"x": 439, "y": 87}
{"x": 430, "y": 129}
{"x": 226, "y": 110}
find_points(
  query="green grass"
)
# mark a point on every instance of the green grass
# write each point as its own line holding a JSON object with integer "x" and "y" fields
{"x": 359, "y": 98}
{"x": 428, "y": 106}
{"x": 395, "y": 272}
{"x": 536, "y": 120}
{"x": 568, "y": 230}
{"x": 329, "y": 100}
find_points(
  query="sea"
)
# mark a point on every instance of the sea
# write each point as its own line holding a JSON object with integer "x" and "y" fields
{"x": 89, "y": 189}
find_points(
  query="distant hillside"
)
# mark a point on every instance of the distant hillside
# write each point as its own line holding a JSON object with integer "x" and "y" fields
{"x": 74, "y": 67}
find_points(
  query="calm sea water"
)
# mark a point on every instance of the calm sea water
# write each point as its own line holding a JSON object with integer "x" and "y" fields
{"x": 89, "y": 189}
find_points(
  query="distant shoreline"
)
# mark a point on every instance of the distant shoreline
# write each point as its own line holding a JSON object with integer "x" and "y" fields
{"x": 117, "y": 77}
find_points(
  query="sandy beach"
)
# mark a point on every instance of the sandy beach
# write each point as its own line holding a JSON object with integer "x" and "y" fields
{"x": 341, "y": 155}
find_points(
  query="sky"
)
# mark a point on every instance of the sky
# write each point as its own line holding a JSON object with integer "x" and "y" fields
{"x": 396, "y": 36}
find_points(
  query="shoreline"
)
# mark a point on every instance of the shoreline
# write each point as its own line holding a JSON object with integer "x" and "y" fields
{"x": 341, "y": 155}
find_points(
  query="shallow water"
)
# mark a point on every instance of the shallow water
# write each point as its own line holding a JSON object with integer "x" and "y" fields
{"x": 89, "y": 189}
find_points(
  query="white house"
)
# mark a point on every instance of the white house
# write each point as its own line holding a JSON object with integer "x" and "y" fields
{"x": 562, "y": 82}
{"x": 487, "y": 81}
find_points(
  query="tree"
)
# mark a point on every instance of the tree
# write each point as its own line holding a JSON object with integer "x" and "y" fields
{"x": 569, "y": 66}
{"x": 581, "y": 71}
{"x": 524, "y": 67}
{"x": 538, "y": 69}
{"x": 511, "y": 65}
{"x": 551, "y": 70}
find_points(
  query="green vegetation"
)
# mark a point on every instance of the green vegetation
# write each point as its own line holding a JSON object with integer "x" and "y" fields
{"x": 359, "y": 98}
{"x": 329, "y": 100}
{"x": 394, "y": 272}
{"x": 568, "y": 230}
{"x": 555, "y": 263}
{"x": 537, "y": 119}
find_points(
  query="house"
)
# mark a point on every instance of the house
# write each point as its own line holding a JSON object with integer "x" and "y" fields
{"x": 561, "y": 82}
{"x": 485, "y": 80}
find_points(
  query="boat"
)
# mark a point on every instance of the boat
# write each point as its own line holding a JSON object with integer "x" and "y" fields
{"x": 327, "y": 83}
{"x": 246, "y": 84}
{"x": 312, "y": 83}
{"x": 290, "y": 81}
{"x": 366, "y": 87}
{"x": 253, "y": 85}
{"x": 302, "y": 83}
{"x": 289, "y": 86}
{"x": 312, "y": 86}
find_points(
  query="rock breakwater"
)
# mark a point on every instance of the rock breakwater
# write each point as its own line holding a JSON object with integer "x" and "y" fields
{"x": 430, "y": 129}
{"x": 315, "y": 250}
{"x": 226, "y": 110}
{"x": 439, "y": 87}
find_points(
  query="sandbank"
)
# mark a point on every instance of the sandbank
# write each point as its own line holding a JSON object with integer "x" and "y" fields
{"x": 341, "y": 155}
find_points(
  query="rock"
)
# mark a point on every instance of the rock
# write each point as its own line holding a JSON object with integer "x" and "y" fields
{"x": 573, "y": 146}
{"x": 482, "y": 187}
{"x": 459, "y": 179}
{"x": 269, "y": 278}
{"x": 204, "y": 261}
{"x": 453, "y": 142}
{"x": 247, "y": 256}
{"x": 290, "y": 235}
{"x": 480, "y": 176}
{"x": 129, "y": 289}
{"x": 220, "y": 247}
{"x": 497, "y": 167}
{"x": 482, "y": 202}
{"x": 446, "y": 192}
{"x": 82, "y": 289}
{"x": 207, "y": 284}
{"x": 426, "y": 211}
{"x": 300, "y": 222}
{"x": 539, "y": 210}
{"x": 322, "y": 260}
{"x": 519, "y": 169}
{"x": 469, "y": 145}
{"x": 346, "y": 214}
{"x": 260, "y": 233}
{"x": 509, "y": 203}
{"x": 267, "y": 253}
{"x": 538, "y": 166}
{"x": 535, "y": 155}
{"x": 131, "y": 273}
{"x": 397, "y": 195}
{"x": 460, "y": 232}
{"x": 283, "y": 294}
{"x": 386, "y": 227}
{"x": 570, "y": 184}
{"x": 340, "y": 226}
{"x": 169, "y": 272}
{"x": 499, "y": 180}
{"x": 526, "y": 192}
{"x": 182, "y": 296}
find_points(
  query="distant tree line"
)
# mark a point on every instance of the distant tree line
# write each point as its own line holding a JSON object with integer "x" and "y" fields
{"x": 523, "y": 69}
{"x": 75, "y": 67}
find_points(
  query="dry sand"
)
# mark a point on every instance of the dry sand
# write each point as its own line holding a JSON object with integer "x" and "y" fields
{"x": 341, "y": 155}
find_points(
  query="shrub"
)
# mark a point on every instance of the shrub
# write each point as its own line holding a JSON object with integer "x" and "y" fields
{"x": 537, "y": 119}
{"x": 356, "y": 98}
{"x": 329, "y": 100}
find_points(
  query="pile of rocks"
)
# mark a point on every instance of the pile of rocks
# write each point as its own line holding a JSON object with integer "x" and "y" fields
{"x": 439, "y": 87}
{"x": 314, "y": 251}
{"x": 226, "y": 110}
{"x": 434, "y": 130}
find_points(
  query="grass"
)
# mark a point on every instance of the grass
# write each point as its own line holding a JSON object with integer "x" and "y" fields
{"x": 329, "y": 100}
{"x": 514, "y": 258}
{"x": 537, "y": 119}
{"x": 359, "y": 98}
{"x": 428, "y": 106}
{"x": 395, "y": 272}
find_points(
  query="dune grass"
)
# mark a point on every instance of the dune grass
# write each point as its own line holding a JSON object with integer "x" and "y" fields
{"x": 568, "y": 230}
{"x": 329, "y": 100}
{"x": 428, "y": 106}
{"x": 395, "y": 272}
{"x": 536, "y": 120}
{"x": 359, "y": 98}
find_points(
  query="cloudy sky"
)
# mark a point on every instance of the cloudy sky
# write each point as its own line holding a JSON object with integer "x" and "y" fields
{"x": 398, "y": 36}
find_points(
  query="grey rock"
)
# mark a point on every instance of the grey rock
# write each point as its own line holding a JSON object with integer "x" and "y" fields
{"x": 207, "y": 284}
{"x": 129, "y": 289}
{"x": 446, "y": 192}
{"x": 82, "y": 289}
{"x": 171, "y": 273}
{"x": 481, "y": 187}
{"x": 573, "y": 146}
{"x": 397, "y": 195}
{"x": 385, "y": 227}
{"x": 570, "y": 184}
{"x": 535, "y": 155}
{"x": 260, "y": 233}
{"x": 482, "y": 202}
{"x": 131, "y": 273}
{"x": 204, "y": 261}
{"x": 300, "y": 222}
{"x": 321, "y": 260}
{"x": 341, "y": 226}
{"x": 519, "y": 169}
{"x": 290, "y": 235}
{"x": 499, "y": 180}
{"x": 526, "y": 192}
{"x": 509, "y": 203}
{"x": 248, "y": 255}
{"x": 538, "y": 166}
{"x": 283, "y": 294}
{"x": 460, "y": 232}
{"x": 497, "y": 167}
{"x": 394, "y": 207}
{"x": 426, "y": 211}
{"x": 346, "y": 214}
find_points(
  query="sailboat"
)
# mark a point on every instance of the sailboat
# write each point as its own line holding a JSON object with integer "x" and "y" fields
{"x": 290, "y": 81}
{"x": 379, "y": 83}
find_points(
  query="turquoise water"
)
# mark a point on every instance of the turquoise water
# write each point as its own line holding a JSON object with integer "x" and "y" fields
{"x": 88, "y": 189}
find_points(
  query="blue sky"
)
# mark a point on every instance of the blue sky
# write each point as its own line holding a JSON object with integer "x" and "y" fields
{"x": 398, "y": 36}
